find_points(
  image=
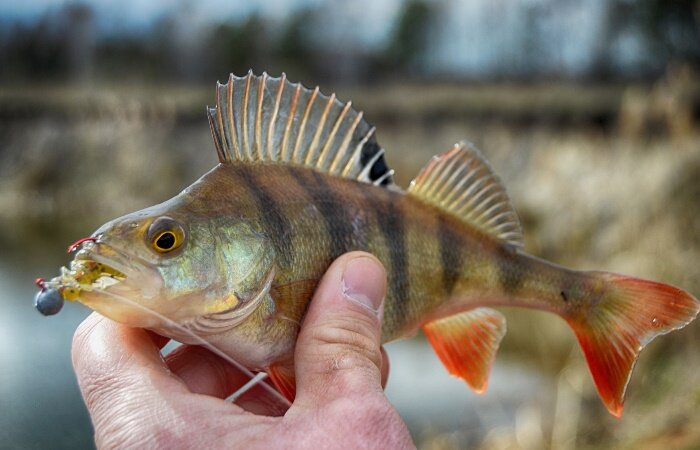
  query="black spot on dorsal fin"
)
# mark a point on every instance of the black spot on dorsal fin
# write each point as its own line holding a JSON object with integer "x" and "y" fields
{"x": 379, "y": 172}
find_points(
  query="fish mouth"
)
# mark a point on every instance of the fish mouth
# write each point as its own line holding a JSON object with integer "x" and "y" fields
{"x": 98, "y": 273}
{"x": 109, "y": 281}
{"x": 86, "y": 274}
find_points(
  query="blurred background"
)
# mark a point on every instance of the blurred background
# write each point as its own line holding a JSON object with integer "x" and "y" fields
{"x": 588, "y": 109}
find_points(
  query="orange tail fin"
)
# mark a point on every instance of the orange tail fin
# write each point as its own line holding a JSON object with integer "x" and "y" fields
{"x": 629, "y": 315}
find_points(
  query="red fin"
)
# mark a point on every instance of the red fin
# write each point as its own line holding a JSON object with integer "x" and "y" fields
{"x": 282, "y": 377}
{"x": 628, "y": 316}
{"x": 467, "y": 343}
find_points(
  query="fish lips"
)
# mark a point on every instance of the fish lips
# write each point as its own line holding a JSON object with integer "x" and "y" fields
{"x": 122, "y": 300}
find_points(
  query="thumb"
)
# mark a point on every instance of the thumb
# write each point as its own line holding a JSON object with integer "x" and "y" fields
{"x": 338, "y": 350}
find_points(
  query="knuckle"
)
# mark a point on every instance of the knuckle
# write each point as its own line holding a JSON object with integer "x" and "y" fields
{"x": 99, "y": 390}
{"x": 106, "y": 387}
{"x": 113, "y": 418}
{"x": 351, "y": 343}
{"x": 129, "y": 433}
{"x": 109, "y": 436}
{"x": 126, "y": 421}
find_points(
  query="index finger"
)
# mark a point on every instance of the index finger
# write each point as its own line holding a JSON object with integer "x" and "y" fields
{"x": 108, "y": 356}
{"x": 127, "y": 387}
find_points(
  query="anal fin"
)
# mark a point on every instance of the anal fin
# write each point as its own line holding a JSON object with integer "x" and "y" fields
{"x": 466, "y": 343}
{"x": 282, "y": 376}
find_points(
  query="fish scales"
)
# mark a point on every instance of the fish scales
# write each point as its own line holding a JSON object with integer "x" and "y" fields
{"x": 234, "y": 259}
{"x": 326, "y": 216}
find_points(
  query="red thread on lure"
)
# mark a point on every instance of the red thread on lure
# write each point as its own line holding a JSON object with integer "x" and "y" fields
{"x": 39, "y": 283}
{"x": 74, "y": 246}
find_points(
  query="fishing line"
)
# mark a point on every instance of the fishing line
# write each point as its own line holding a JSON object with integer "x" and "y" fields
{"x": 255, "y": 379}
{"x": 246, "y": 387}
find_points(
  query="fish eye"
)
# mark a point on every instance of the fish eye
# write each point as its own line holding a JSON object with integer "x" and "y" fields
{"x": 165, "y": 235}
{"x": 165, "y": 242}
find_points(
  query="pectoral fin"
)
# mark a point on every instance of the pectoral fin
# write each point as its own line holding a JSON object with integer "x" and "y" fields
{"x": 282, "y": 376}
{"x": 292, "y": 299}
{"x": 466, "y": 343}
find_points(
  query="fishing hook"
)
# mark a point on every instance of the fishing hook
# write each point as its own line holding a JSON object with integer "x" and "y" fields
{"x": 74, "y": 246}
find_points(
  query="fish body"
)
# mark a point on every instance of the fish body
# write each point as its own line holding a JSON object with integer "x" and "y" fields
{"x": 235, "y": 257}
{"x": 436, "y": 264}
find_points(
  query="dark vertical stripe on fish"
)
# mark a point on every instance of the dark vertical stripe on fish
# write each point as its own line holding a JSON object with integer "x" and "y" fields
{"x": 451, "y": 254}
{"x": 335, "y": 215}
{"x": 391, "y": 221}
{"x": 509, "y": 273}
{"x": 276, "y": 223}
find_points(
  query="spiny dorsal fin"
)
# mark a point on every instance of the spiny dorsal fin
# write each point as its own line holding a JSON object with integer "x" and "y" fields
{"x": 266, "y": 119}
{"x": 461, "y": 182}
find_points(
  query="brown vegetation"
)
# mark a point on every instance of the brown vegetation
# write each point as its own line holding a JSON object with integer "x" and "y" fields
{"x": 603, "y": 177}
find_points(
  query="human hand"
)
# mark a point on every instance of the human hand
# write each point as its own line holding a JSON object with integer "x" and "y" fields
{"x": 138, "y": 399}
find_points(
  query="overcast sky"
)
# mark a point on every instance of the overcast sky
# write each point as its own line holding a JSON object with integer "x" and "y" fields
{"x": 362, "y": 22}
{"x": 140, "y": 12}
{"x": 479, "y": 37}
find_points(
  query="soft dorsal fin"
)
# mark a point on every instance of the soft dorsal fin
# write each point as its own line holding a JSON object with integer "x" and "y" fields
{"x": 461, "y": 182}
{"x": 266, "y": 119}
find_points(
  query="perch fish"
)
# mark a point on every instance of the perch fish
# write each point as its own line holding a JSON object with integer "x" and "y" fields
{"x": 236, "y": 256}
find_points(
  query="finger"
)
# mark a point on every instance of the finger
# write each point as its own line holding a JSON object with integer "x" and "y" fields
{"x": 204, "y": 372}
{"x": 385, "y": 368}
{"x": 125, "y": 382}
{"x": 116, "y": 368}
{"x": 105, "y": 349}
{"x": 338, "y": 350}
